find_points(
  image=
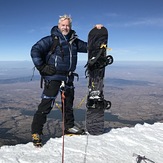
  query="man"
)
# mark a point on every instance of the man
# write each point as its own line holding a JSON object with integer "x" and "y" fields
{"x": 56, "y": 64}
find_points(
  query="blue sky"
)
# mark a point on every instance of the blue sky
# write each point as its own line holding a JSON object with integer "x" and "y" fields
{"x": 135, "y": 27}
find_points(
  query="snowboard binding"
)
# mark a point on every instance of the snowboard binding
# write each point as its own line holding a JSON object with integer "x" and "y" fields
{"x": 98, "y": 62}
{"x": 98, "y": 104}
{"x": 95, "y": 69}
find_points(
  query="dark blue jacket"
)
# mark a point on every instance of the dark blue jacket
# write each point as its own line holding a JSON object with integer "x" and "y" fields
{"x": 64, "y": 57}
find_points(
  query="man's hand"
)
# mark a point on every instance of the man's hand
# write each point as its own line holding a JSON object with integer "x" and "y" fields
{"x": 98, "y": 26}
{"x": 47, "y": 70}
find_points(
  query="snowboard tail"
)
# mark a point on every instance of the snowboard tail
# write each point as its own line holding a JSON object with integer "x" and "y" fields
{"x": 95, "y": 71}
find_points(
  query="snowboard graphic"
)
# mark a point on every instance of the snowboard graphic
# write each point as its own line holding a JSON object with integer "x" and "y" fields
{"x": 95, "y": 71}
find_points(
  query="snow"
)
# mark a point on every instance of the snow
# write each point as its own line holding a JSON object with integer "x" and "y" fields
{"x": 116, "y": 146}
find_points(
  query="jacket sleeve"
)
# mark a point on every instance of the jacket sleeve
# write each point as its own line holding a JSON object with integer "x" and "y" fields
{"x": 82, "y": 46}
{"x": 40, "y": 50}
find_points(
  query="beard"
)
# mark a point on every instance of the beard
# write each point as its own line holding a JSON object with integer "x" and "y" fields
{"x": 65, "y": 32}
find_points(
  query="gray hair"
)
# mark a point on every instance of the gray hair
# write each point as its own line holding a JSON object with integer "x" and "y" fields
{"x": 64, "y": 17}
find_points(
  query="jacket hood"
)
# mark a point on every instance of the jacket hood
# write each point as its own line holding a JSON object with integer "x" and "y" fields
{"x": 54, "y": 30}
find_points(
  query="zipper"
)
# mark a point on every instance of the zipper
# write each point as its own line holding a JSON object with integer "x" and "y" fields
{"x": 70, "y": 47}
{"x": 55, "y": 62}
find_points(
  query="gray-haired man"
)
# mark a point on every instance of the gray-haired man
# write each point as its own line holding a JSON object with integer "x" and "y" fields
{"x": 57, "y": 67}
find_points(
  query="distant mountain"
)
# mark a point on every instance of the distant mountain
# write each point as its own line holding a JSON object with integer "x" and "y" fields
{"x": 22, "y": 71}
{"x": 125, "y": 82}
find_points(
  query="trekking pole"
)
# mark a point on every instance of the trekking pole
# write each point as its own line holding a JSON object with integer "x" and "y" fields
{"x": 63, "y": 117}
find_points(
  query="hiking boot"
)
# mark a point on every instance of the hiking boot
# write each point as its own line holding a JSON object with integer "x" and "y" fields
{"x": 36, "y": 139}
{"x": 75, "y": 131}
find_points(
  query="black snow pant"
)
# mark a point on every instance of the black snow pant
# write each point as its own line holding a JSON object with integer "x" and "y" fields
{"x": 50, "y": 92}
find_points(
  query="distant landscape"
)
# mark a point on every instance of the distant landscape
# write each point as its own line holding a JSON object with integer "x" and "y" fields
{"x": 134, "y": 88}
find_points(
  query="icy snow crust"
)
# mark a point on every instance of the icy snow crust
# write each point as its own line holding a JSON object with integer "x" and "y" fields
{"x": 116, "y": 146}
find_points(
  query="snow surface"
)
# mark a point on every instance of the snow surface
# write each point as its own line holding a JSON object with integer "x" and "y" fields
{"x": 116, "y": 146}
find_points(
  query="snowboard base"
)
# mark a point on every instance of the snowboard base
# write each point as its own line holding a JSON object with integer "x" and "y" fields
{"x": 95, "y": 115}
{"x": 95, "y": 121}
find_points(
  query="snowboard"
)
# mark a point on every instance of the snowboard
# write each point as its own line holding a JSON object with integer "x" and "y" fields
{"x": 95, "y": 72}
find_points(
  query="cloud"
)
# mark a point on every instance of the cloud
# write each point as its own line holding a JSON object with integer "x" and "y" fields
{"x": 44, "y": 30}
{"x": 31, "y": 31}
{"x": 111, "y": 14}
{"x": 157, "y": 22}
{"x": 140, "y": 22}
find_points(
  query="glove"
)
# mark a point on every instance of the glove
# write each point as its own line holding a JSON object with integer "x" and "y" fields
{"x": 47, "y": 70}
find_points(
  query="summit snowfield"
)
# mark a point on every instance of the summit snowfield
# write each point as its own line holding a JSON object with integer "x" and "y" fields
{"x": 117, "y": 146}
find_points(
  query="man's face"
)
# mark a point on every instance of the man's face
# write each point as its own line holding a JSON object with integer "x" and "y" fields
{"x": 64, "y": 26}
